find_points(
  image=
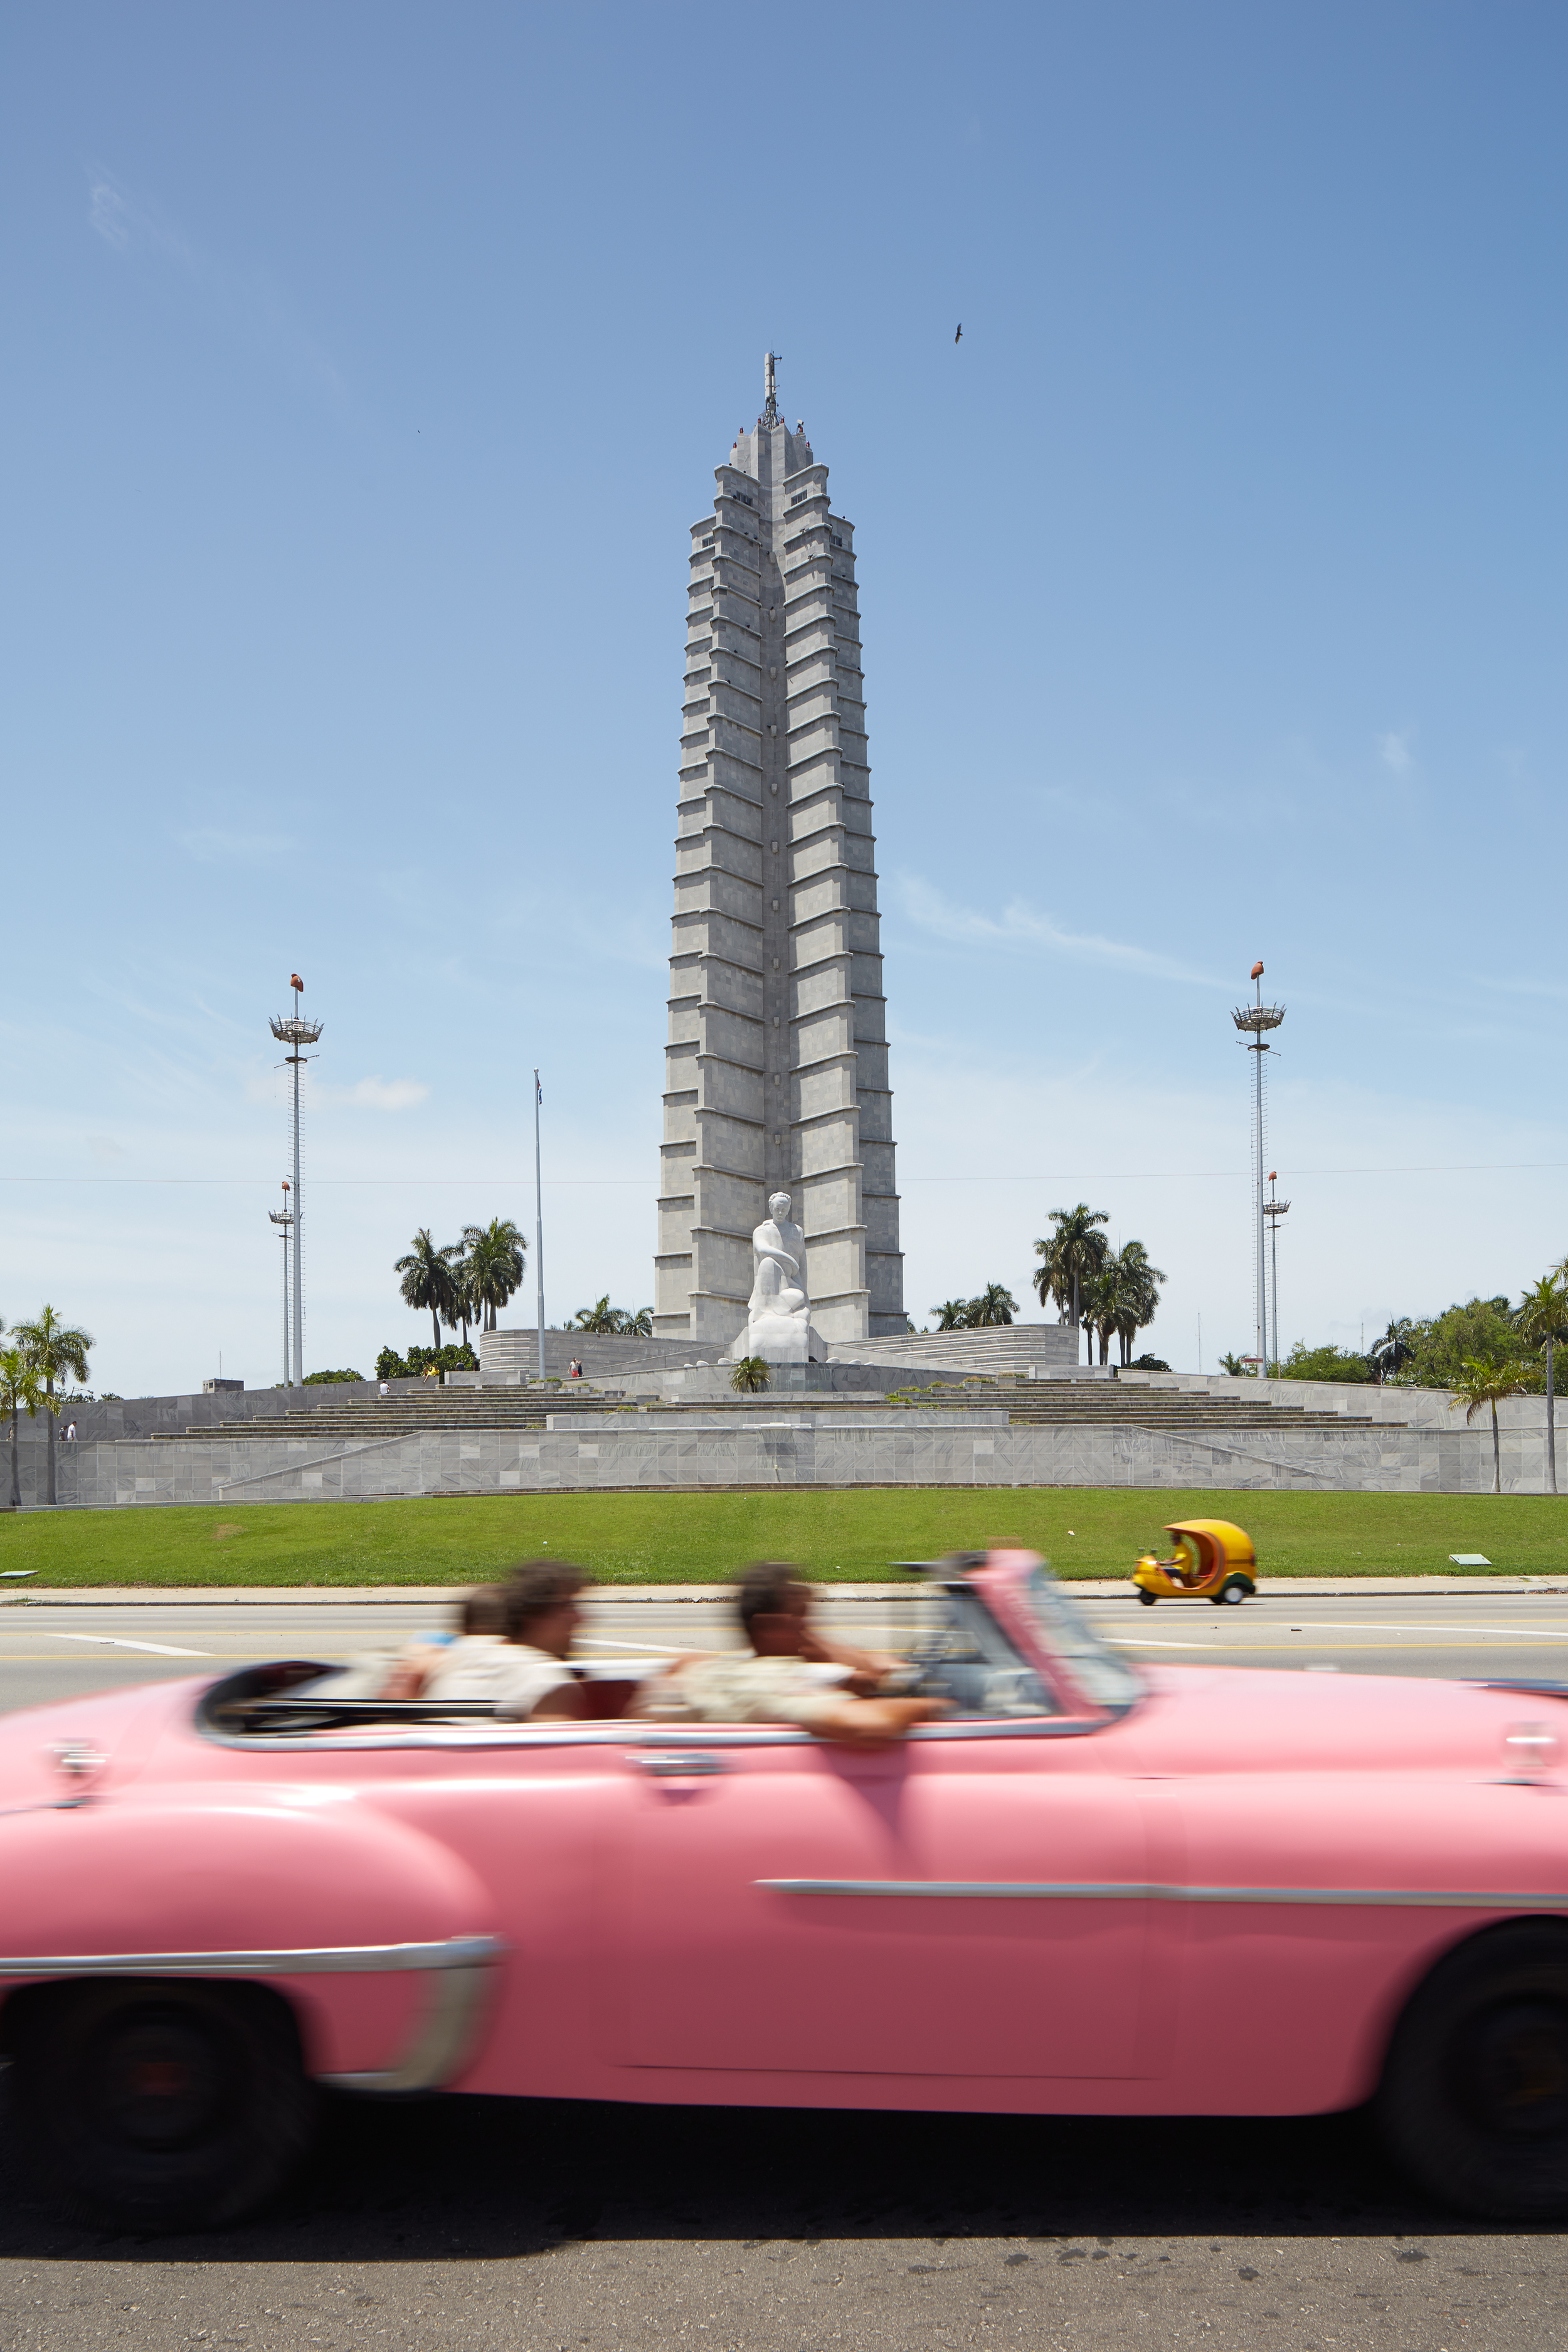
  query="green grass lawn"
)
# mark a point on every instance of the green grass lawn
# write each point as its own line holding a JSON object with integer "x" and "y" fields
{"x": 686, "y": 1539}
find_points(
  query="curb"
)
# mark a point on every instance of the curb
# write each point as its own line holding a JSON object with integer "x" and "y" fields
{"x": 263, "y": 1596}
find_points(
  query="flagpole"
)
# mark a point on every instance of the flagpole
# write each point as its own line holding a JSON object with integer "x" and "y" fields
{"x": 539, "y": 1220}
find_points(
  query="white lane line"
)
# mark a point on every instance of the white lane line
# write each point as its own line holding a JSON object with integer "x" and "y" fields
{"x": 1186, "y": 1645}
{"x": 628, "y": 1649}
{"x": 1378, "y": 1625}
{"x": 120, "y": 1641}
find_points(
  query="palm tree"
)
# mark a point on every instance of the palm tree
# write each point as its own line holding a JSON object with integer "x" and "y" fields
{"x": 430, "y": 1281}
{"x": 1138, "y": 1294}
{"x": 53, "y": 1348}
{"x": 750, "y": 1375}
{"x": 496, "y": 1253}
{"x": 952, "y": 1315}
{"x": 994, "y": 1305}
{"x": 21, "y": 1387}
{"x": 1484, "y": 1381}
{"x": 1389, "y": 1355}
{"x": 640, "y": 1324}
{"x": 1074, "y": 1252}
{"x": 600, "y": 1317}
{"x": 1543, "y": 1320}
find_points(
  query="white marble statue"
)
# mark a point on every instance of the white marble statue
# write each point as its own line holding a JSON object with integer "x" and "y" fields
{"x": 778, "y": 1313}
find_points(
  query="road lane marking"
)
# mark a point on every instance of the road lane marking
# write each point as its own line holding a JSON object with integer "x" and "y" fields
{"x": 121, "y": 1642}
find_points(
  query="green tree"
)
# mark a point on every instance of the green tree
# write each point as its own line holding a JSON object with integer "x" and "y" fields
{"x": 1483, "y": 1380}
{"x": 1325, "y": 1364}
{"x": 1481, "y": 1328}
{"x": 1541, "y": 1320}
{"x": 640, "y": 1324}
{"x": 1138, "y": 1283}
{"x": 952, "y": 1315}
{"x": 495, "y": 1254}
{"x": 994, "y": 1305}
{"x": 429, "y": 1281}
{"x": 601, "y": 1318}
{"x": 1234, "y": 1366}
{"x": 54, "y": 1350}
{"x": 749, "y": 1376}
{"x": 21, "y": 1390}
{"x": 1070, "y": 1257}
{"x": 1387, "y": 1357}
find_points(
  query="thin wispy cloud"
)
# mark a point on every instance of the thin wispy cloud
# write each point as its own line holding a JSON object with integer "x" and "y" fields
{"x": 215, "y": 845}
{"x": 247, "y": 304}
{"x": 1021, "y": 928}
{"x": 385, "y": 1094}
{"x": 1393, "y": 750}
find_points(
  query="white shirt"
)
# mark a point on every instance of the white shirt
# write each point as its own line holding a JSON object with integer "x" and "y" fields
{"x": 510, "y": 1676}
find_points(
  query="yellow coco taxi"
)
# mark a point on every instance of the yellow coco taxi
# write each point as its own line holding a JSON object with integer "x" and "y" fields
{"x": 1211, "y": 1561}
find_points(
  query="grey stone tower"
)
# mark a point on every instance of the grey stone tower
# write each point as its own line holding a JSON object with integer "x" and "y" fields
{"x": 776, "y": 1069}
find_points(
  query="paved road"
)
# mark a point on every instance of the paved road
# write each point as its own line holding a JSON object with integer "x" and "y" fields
{"x": 459, "y": 2225}
{"x": 56, "y": 1652}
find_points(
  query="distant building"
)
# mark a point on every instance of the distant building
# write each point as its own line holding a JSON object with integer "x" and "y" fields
{"x": 776, "y": 1069}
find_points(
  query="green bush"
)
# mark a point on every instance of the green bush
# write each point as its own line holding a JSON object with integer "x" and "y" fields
{"x": 1304, "y": 1363}
{"x": 420, "y": 1361}
{"x": 323, "y": 1380}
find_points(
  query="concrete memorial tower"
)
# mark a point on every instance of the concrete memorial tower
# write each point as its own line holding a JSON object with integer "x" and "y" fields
{"x": 776, "y": 1069}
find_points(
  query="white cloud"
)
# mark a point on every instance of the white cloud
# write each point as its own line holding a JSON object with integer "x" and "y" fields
{"x": 1393, "y": 750}
{"x": 385, "y": 1094}
{"x": 1020, "y": 927}
{"x": 214, "y": 845}
{"x": 108, "y": 216}
{"x": 249, "y": 306}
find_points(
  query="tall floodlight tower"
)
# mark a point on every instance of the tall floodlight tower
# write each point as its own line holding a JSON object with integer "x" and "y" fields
{"x": 294, "y": 1031}
{"x": 284, "y": 1220}
{"x": 1255, "y": 1020}
{"x": 1274, "y": 1209}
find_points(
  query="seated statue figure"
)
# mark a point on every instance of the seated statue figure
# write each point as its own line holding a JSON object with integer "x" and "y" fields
{"x": 778, "y": 1313}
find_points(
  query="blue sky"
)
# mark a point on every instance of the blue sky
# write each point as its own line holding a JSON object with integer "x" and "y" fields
{"x": 366, "y": 368}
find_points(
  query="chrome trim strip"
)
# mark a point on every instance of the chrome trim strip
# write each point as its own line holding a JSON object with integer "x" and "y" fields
{"x": 446, "y": 2032}
{"x": 1117, "y": 1891}
{"x": 514, "y": 1736}
{"x": 339, "y": 1960}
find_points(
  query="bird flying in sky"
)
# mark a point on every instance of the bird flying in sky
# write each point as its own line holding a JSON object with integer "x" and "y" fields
{"x": 959, "y": 337}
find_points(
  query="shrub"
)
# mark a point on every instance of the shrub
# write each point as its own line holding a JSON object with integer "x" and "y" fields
{"x": 750, "y": 1375}
{"x": 323, "y": 1379}
{"x": 419, "y": 1361}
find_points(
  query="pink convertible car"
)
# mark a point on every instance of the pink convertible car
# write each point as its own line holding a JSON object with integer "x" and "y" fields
{"x": 1087, "y": 1890}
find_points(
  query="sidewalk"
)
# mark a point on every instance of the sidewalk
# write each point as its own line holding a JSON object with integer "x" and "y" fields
{"x": 261, "y": 1596}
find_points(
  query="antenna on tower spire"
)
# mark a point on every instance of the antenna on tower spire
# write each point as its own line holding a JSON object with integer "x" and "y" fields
{"x": 771, "y": 405}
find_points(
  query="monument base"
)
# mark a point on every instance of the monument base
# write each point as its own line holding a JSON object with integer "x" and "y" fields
{"x": 780, "y": 1339}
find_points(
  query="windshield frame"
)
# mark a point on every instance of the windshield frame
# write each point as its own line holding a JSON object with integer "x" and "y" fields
{"x": 1013, "y": 1585}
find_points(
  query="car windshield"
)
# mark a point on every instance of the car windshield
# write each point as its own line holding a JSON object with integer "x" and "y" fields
{"x": 961, "y": 1655}
{"x": 1098, "y": 1670}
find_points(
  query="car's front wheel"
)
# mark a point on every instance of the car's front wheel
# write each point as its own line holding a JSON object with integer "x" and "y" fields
{"x": 1474, "y": 2098}
{"x": 162, "y": 2106}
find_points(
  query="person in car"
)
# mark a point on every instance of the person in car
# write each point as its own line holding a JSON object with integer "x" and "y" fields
{"x": 480, "y": 1612}
{"x": 789, "y": 1673}
{"x": 520, "y": 1668}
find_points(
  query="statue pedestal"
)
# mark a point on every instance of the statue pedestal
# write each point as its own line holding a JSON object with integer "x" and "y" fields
{"x": 780, "y": 1340}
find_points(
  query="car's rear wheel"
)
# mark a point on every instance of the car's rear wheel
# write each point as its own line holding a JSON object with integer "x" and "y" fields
{"x": 1148, "y": 1598}
{"x": 1474, "y": 2098}
{"x": 162, "y": 2106}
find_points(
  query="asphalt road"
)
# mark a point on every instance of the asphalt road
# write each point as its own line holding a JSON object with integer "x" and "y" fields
{"x": 457, "y": 2225}
{"x": 56, "y": 1652}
